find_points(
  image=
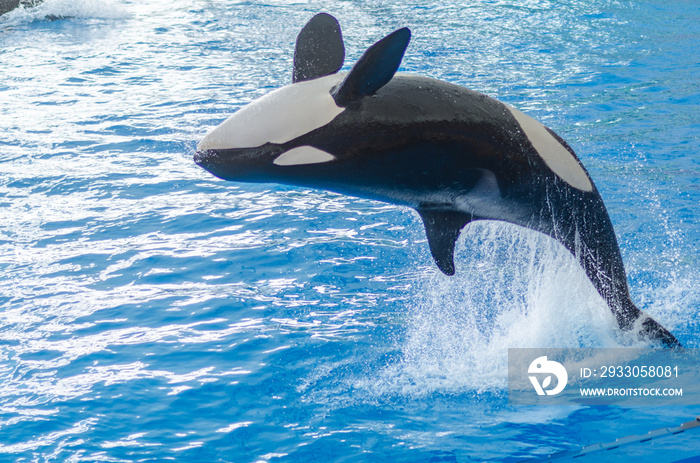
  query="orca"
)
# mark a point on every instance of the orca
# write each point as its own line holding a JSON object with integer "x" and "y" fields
{"x": 452, "y": 154}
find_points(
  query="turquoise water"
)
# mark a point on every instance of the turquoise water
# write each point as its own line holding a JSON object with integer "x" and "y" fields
{"x": 151, "y": 312}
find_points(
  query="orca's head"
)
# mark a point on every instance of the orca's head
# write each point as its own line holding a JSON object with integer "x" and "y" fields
{"x": 249, "y": 144}
{"x": 263, "y": 141}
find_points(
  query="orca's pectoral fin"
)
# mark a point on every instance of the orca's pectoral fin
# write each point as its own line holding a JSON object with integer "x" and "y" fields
{"x": 374, "y": 69}
{"x": 319, "y": 50}
{"x": 442, "y": 228}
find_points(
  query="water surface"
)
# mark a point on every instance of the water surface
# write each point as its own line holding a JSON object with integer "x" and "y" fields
{"x": 151, "y": 312}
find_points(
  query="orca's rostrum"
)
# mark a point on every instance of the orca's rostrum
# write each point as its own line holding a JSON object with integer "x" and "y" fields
{"x": 451, "y": 153}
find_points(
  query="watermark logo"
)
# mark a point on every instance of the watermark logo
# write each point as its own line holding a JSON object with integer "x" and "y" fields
{"x": 540, "y": 367}
{"x": 604, "y": 376}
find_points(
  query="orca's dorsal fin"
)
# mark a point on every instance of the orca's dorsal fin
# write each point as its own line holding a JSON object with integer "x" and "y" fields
{"x": 442, "y": 228}
{"x": 319, "y": 50}
{"x": 374, "y": 69}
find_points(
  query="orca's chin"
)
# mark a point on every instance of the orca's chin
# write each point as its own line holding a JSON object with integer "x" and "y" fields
{"x": 202, "y": 158}
{"x": 239, "y": 164}
{"x": 216, "y": 162}
{"x": 208, "y": 159}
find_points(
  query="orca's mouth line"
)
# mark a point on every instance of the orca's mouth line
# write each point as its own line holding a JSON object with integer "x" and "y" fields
{"x": 239, "y": 157}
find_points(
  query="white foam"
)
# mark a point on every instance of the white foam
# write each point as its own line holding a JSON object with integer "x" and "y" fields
{"x": 86, "y": 9}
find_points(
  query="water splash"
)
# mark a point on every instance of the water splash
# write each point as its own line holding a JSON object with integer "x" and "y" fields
{"x": 513, "y": 288}
{"x": 59, "y": 9}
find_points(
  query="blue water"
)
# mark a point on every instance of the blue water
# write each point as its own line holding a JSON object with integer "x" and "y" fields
{"x": 151, "y": 312}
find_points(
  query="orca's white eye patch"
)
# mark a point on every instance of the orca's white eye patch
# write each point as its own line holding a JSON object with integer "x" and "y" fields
{"x": 557, "y": 158}
{"x": 303, "y": 155}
